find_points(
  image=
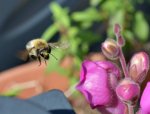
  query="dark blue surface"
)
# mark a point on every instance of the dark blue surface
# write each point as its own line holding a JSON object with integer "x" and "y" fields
{"x": 22, "y": 21}
{"x": 52, "y": 102}
{"x": 17, "y": 106}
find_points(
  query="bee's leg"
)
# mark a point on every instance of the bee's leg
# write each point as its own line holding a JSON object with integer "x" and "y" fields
{"x": 49, "y": 49}
{"x": 39, "y": 59}
{"x": 45, "y": 61}
{"x": 38, "y": 56}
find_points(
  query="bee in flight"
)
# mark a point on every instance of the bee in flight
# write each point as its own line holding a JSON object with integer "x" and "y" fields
{"x": 39, "y": 48}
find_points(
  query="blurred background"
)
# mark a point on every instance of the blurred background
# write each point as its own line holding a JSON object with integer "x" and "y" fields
{"x": 84, "y": 24}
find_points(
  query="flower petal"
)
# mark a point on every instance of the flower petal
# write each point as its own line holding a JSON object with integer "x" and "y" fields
{"x": 94, "y": 84}
{"x": 117, "y": 108}
{"x": 110, "y": 67}
{"x": 145, "y": 99}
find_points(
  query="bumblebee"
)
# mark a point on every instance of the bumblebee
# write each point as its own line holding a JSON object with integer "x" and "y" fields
{"x": 40, "y": 49}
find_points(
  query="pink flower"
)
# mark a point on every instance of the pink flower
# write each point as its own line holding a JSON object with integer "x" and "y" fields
{"x": 139, "y": 66}
{"x": 97, "y": 83}
{"x": 145, "y": 100}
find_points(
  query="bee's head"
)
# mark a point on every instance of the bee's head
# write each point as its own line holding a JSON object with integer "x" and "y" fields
{"x": 45, "y": 55}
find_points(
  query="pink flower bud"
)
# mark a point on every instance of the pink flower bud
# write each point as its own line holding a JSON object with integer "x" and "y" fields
{"x": 145, "y": 100}
{"x": 110, "y": 49}
{"x": 117, "y": 28}
{"x": 139, "y": 66}
{"x": 120, "y": 39}
{"x": 128, "y": 91}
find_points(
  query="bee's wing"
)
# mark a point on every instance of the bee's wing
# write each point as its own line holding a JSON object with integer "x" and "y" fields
{"x": 61, "y": 45}
{"x": 23, "y": 55}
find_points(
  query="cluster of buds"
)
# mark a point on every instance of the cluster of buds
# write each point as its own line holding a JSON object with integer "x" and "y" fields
{"x": 104, "y": 87}
{"x": 128, "y": 89}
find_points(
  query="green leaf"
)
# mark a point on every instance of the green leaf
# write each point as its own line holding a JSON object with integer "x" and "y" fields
{"x": 95, "y": 2}
{"x": 77, "y": 62}
{"x": 112, "y": 6}
{"x": 74, "y": 42}
{"x": 50, "y": 32}
{"x": 85, "y": 47}
{"x": 89, "y": 15}
{"x": 72, "y": 32}
{"x": 60, "y": 14}
{"x": 141, "y": 27}
{"x": 86, "y": 25}
{"x": 89, "y": 36}
{"x": 140, "y": 1}
{"x": 129, "y": 35}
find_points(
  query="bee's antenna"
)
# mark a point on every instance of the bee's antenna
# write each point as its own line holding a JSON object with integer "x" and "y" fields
{"x": 53, "y": 56}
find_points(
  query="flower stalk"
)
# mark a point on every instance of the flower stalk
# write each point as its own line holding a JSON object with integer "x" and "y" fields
{"x": 130, "y": 109}
{"x": 123, "y": 63}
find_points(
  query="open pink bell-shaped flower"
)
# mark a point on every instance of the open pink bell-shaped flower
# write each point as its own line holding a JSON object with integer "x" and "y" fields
{"x": 145, "y": 100}
{"x": 97, "y": 83}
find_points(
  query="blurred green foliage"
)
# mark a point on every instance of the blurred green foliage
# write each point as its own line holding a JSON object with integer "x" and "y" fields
{"x": 77, "y": 28}
{"x": 12, "y": 92}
